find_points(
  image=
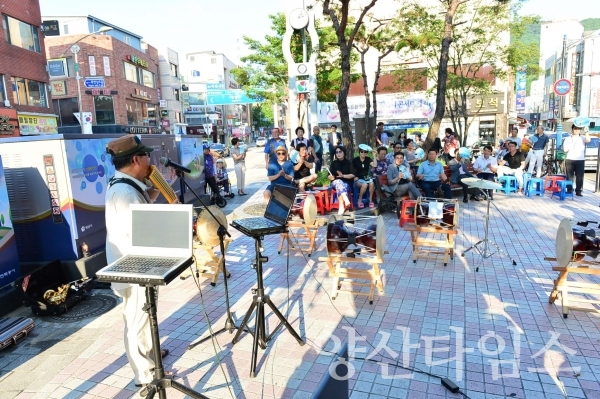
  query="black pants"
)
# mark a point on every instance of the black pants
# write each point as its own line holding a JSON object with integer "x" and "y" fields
{"x": 465, "y": 187}
{"x": 490, "y": 177}
{"x": 576, "y": 168}
{"x": 318, "y": 162}
{"x": 212, "y": 183}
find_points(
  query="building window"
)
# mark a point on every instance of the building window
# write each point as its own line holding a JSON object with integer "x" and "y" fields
{"x": 105, "y": 112}
{"x": 29, "y": 92}
{"x": 178, "y": 117}
{"x": 137, "y": 112}
{"x": 127, "y": 40}
{"x": 66, "y": 29}
{"x": 130, "y": 72}
{"x": 66, "y": 108}
{"x": 21, "y": 34}
{"x": 147, "y": 78}
{"x": 174, "y": 70}
{"x": 213, "y": 60}
{"x": 176, "y": 93}
{"x": 2, "y": 90}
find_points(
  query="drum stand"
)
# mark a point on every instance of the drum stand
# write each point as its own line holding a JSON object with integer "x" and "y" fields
{"x": 259, "y": 301}
{"x": 485, "y": 252}
{"x": 221, "y": 232}
{"x": 161, "y": 381}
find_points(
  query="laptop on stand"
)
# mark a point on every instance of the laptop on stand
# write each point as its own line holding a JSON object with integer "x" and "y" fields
{"x": 161, "y": 246}
{"x": 274, "y": 220}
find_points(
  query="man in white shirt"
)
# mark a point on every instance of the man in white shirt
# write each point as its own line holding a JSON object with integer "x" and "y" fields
{"x": 131, "y": 159}
{"x": 485, "y": 166}
{"x": 574, "y": 147}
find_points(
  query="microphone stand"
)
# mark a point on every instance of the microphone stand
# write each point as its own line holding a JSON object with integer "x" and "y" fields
{"x": 221, "y": 232}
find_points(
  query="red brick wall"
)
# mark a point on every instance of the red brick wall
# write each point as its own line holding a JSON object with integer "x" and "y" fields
{"x": 100, "y": 46}
{"x": 19, "y": 62}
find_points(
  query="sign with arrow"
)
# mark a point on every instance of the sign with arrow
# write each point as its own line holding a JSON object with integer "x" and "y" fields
{"x": 225, "y": 97}
{"x": 93, "y": 83}
{"x": 562, "y": 87}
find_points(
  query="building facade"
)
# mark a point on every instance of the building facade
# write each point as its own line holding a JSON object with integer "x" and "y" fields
{"x": 25, "y": 102}
{"x": 119, "y": 82}
{"x": 171, "y": 111}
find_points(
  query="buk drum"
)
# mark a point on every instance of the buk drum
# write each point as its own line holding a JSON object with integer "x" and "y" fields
{"x": 367, "y": 234}
{"x": 441, "y": 213}
{"x": 306, "y": 209}
{"x": 206, "y": 226}
{"x": 573, "y": 243}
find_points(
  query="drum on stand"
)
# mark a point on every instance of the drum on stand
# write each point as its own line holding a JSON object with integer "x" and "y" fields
{"x": 368, "y": 234}
{"x": 573, "y": 244}
{"x": 305, "y": 209}
{"x": 207, "y": 226}
{"x": 448, "y": 218}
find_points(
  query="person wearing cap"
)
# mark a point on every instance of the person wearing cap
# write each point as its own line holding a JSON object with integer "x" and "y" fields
{"x": 222, "y": 177}
{"x": 270, "y": 148}
{"x": 540, "y": 145}
{"x": 279, "y": 172}
{"x": 209, "y": 170}
{"x": 341, "y": 177}
{"x": 362, "y": 167}
{"x": 574, "y": 147}
{"x": 131, "y": 159}
{"x": 458, "y": 172}
{"x": 302, "y": 166}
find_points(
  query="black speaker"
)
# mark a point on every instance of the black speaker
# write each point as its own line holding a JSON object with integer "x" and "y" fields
{"x": 335, "y": 385}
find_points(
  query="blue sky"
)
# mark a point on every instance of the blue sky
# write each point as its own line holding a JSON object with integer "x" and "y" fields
{"x": 561, "y": 9}
{"x": 184, "y": 25}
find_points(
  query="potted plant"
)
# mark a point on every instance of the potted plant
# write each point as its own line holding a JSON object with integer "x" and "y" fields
{"x": 322, "y": 179}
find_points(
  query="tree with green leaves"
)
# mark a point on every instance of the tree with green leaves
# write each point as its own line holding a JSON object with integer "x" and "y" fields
{"x": 346, "y": 28}
{"x": 262, "y": 115}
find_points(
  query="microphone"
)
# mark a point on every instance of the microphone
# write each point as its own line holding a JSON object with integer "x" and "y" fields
{"x": 170, "y": 164}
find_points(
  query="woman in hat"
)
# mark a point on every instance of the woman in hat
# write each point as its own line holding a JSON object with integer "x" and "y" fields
{"x": 574, "y": 147}
{"x": 342, "y": 177}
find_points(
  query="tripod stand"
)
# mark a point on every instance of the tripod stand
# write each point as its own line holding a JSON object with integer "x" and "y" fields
{"x": 485, "y": 252}
{"x": 221, "y": 232}
{"x": 161, "y": 381}
{"x": 259, "y": 300}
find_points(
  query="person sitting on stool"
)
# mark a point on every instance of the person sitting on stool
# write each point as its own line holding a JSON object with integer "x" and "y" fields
{"x": 431, "y": 174}
{"x": 513, "y": 164}
{"x": 485, "y": 166}
{"x": 458, "y": 171}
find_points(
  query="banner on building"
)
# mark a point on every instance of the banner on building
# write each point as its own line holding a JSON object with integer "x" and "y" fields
{"x": 35, "y": 124}
{"x": 521, "y": 88}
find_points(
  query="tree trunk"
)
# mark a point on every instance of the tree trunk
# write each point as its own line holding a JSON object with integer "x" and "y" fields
{"x": 440, "y": 100}
{"x": 372, "y": 137}
{"x": 342, "y": 100}
{"x": 368, "y": 119}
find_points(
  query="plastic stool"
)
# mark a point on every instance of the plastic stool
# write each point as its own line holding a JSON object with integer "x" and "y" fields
{"x": 535, "y": 186}
{"x": 526, "y": 178}
{"x": 334, "y": 203}
{"x": 407, "y": 214}
{"x": 322, "y": 199}
{"x": 562, "y": 185}
{"x": 355, "y": 193}
{"x": 550, "y": 183}
{"x": 510, "y": 184}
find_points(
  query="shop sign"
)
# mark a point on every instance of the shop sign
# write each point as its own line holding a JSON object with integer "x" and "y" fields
{"x": 143, "y": 130}
{"x": 101, "y": 92}
{"x": 8, "y": 122}
{"x": 34, "y": 124}
{"x": 58, "y": 87}
{"x": 142, "y": 95}
{"x": 137, "y": 61}
{"x": 488, "y": 104}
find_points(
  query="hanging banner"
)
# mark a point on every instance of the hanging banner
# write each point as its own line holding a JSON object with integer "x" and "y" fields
{"x": 521, "y": 88}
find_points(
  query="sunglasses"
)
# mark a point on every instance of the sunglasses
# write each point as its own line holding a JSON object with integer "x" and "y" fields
{"x": 280, "y": 153}
{"x": 362, "y": 151}
{"x": 339, "y": 152}
{"x": 143, "y": 154}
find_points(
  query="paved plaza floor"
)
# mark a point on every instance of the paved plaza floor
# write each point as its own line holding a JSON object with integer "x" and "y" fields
{"x": 492, "y": 332}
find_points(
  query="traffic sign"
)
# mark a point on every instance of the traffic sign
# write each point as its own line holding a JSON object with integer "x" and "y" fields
{"x": 93, "y": 83}
{"x": 225, "y": 97}
{"x": 562, "y": 87}
{"x": 76, "y": 67}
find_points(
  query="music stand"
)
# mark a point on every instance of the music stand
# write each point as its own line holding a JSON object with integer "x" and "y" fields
{"x": 221, "y": 232}
{"x": 485, "y": 252}
{"x": 259, "y": 301}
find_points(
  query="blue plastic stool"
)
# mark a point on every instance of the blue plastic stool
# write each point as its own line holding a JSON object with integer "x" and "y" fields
{"x": 355, "y": 198}
{"x": 535, "y": 187}
{"x": 562, "y": 194}
{"x": 509, "y": 184}
{"x": 526, "y": 178}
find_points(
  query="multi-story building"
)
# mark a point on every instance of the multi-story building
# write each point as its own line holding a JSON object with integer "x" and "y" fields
{"x": 170, "y": 89}
{"x": 119, "y": 77}
{"x": 25, "y": 106}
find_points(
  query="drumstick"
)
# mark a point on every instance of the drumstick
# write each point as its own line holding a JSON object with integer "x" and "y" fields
{"x": 328, "y": 171}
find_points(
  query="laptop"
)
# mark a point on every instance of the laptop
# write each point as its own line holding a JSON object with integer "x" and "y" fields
{"x": 161, "y": 246}
{"x": 275, "y": 217}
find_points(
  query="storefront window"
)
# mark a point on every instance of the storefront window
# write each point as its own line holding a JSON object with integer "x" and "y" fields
{"x": 137, "y": 113}
{"x": 66, "y": 108}
{"x": 148, "y": 78}
{"x": 130, "y": 72}
{"x": 28, "y": 92}
{"x": 105, "y": 112}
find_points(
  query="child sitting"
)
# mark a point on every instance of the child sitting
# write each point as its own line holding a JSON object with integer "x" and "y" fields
{"x": 222, "y": 177}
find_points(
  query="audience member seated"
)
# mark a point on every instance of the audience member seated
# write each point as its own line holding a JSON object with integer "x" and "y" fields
{"x": 303, "y": 163}
{"x": 362, "y": 167}
{"x": 486, "y": 166}
{"x": 458, "y": 171}
{"x": 222, "y": 177}
{"x": 431, "y": 174}
{"x": 512, "y": 164}
{"x": 342, "y": 177}
{"x": 400, "y": 180}
{"x": 379, "y": 166}
{"x": 279, "y": 172}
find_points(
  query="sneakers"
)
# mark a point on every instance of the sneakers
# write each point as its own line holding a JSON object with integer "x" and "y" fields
{"x": 465, "y": 200}
{"x": 475, "y": 198}
{"x": 579, "y": 194}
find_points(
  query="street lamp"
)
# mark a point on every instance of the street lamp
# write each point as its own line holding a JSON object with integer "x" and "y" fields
{"x": 75, "y": 50}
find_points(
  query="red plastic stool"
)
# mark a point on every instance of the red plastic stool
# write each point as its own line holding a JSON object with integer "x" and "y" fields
{"x": 334, "y": 203}
{"x": 407, "y": 214}
{"x": 550, "y": 183}
{"x": 322, "y": 199}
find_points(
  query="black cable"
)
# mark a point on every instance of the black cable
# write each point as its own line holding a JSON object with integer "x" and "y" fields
{"x": 314, "y": 345}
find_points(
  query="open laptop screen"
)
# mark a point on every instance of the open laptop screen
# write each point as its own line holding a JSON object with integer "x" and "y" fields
{"x": 160, "y": 228}
{"x": 280, "y": 204}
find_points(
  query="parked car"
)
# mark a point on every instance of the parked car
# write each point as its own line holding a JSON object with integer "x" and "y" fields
{"x": 591, "y": 153}
{"x": 261, "y": 142}
{"x": 219, "y": 149}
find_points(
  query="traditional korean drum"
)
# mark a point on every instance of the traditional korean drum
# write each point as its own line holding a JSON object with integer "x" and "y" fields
{"x": 367, "y": 234}
{"x": 306, "y": 209}
{"x": 449, "y": 214}
{"x": 207, "y": 226}
{"x": 573, "y": 244}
